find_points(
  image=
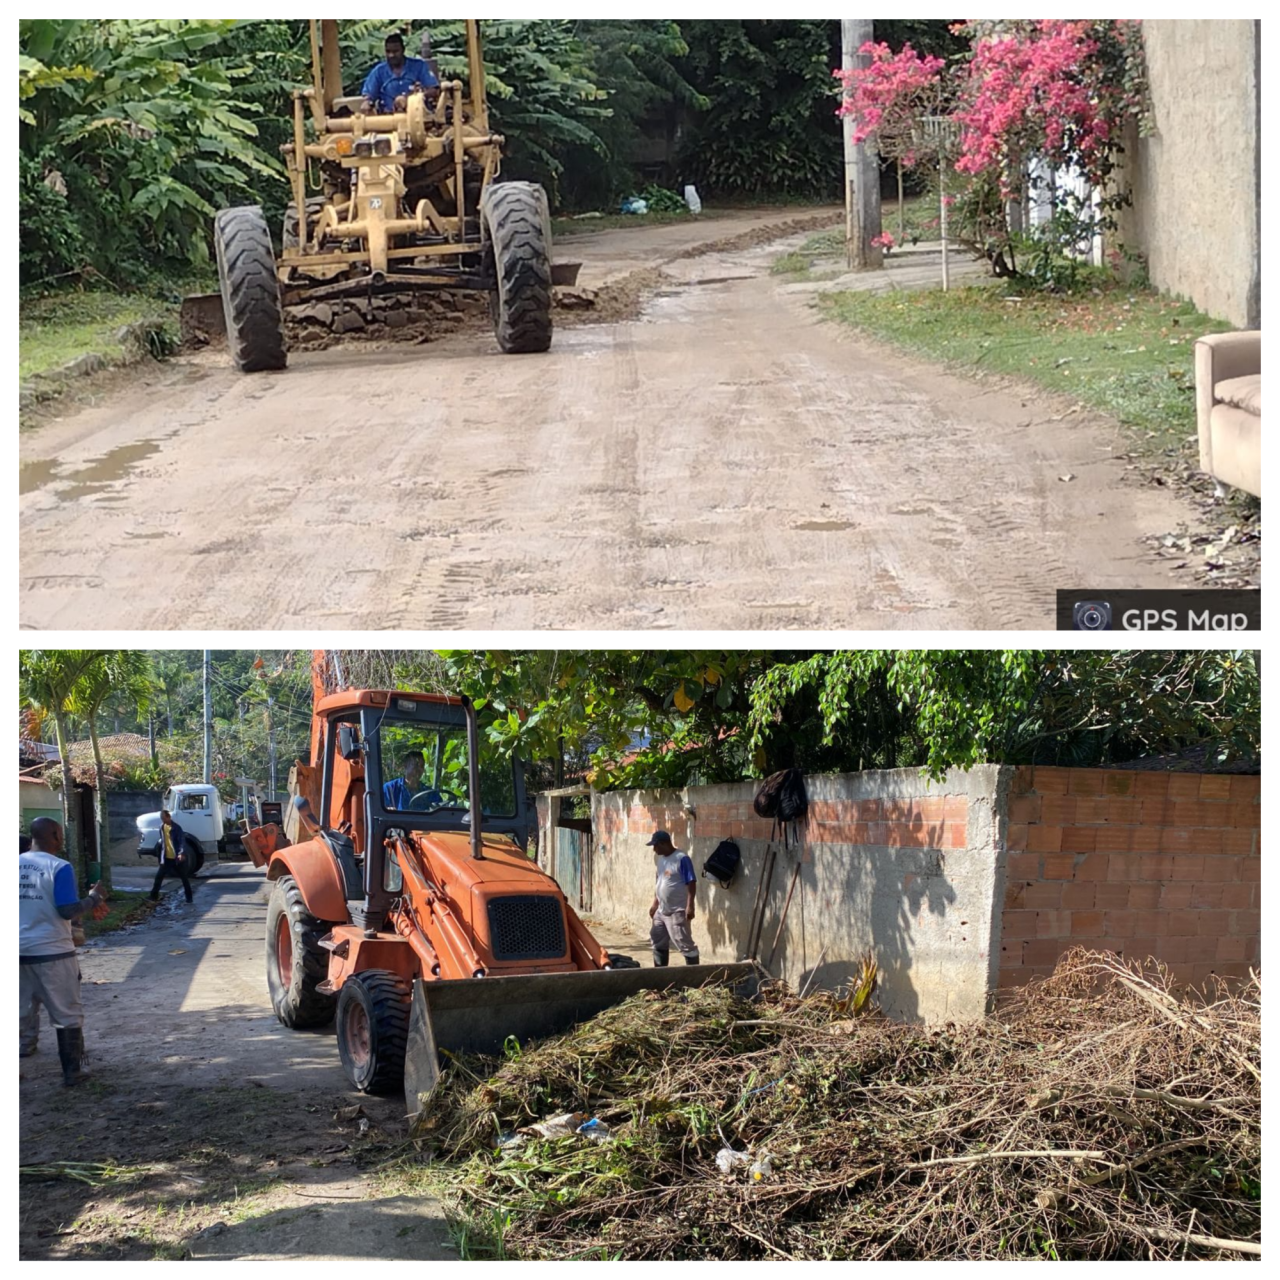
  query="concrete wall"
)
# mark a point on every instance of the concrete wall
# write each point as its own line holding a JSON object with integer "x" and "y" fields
{"x": 963, "y": 886}
{"x": 36, "y": 800}
{"x": 892, "y": 863}
{"x": 1147, "y": 864}
{"x": 1195, "y": 181}
{"x": 124, "y": 807}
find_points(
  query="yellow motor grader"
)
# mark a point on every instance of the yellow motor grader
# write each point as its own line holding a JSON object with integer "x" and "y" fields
{"x": 387, "y": 203}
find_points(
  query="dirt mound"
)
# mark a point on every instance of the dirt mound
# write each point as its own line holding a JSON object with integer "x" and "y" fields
{"x": 760, "y": 235}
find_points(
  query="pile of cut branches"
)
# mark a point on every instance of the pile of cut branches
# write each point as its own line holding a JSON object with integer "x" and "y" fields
{"x": 1098, "y": 1115}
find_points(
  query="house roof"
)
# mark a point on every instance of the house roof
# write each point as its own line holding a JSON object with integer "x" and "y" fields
{"x": 114, "y": 746}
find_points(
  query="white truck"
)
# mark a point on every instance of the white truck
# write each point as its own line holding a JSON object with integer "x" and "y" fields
{"x": 198, "y": 809}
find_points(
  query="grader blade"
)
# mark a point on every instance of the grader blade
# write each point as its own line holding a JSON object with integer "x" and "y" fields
{"x": 201, "y": 318}
{"x": 479, "y": 1015}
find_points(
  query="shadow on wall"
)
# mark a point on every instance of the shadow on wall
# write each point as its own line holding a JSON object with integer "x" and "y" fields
{"x": 890, "y": 900}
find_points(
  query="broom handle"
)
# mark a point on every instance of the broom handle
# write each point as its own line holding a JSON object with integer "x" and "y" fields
{"x": 766, "y": 878}
{"x": 755, "y": 909}
{"x": 786, "y": 906}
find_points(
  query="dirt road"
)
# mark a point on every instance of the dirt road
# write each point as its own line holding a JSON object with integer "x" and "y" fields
{"x": 727, "y": 460}
{"x": 225, "y": 1117}
{"x": 222, "y": 1122}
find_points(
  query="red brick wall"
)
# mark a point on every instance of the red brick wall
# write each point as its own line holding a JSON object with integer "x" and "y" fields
{"x": 930, "y": 822}
{"x": 1143, "y": 863}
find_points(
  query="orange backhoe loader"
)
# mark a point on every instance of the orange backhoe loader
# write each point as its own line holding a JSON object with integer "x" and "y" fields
{"x": 410, "y": 911}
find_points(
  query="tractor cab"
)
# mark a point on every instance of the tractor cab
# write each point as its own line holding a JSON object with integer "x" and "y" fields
{"x": 395, "y": 765}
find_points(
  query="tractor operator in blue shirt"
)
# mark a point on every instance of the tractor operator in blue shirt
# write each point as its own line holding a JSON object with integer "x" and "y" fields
{"x": 388, "y": 85}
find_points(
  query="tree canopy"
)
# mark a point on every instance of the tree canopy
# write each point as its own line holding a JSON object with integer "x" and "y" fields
{"x": 133, "y": 132}
{"x": 670, "y": 717}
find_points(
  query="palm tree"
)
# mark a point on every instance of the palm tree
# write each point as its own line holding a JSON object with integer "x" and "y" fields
{"x": 116, "y": 671}
{"x": 169, "y": 674}
{"x": 46, "y": 679}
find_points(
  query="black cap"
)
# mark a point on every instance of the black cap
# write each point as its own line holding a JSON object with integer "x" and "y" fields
{"x": 661, "y": 835}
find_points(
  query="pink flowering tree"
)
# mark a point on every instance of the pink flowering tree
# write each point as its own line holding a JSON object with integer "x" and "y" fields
{"x": 887, "y": 100}
{"x": 1059, "y": 92}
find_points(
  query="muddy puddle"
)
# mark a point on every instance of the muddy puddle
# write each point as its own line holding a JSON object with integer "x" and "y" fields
{"x": 92, "y": 478}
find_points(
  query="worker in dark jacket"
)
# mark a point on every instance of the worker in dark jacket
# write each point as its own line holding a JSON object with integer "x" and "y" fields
{"x": 48, "y": 972}
{"x": 173, "y": 855}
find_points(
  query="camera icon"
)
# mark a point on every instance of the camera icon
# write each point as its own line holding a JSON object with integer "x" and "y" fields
{"x": 1091, "y": 615}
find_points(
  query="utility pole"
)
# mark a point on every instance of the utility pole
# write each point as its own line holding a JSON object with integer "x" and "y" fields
{"x": 861, "y": 163}
{"x": 271, "y": 747}
{"x": 208, "y": 719}
{"x": 151, "y": 737}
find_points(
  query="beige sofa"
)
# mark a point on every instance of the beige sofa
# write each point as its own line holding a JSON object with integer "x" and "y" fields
{"x": 1229, "y": 409}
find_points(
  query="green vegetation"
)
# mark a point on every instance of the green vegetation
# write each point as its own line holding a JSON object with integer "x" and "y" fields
{"x": 918, "y": 225}
{"x": 850, "y": 1132}
{"x": 134, "y": 132}
{"x": 1121, "y": 349}
{"x": 71, "y": 694}
{"x": 644, "y": 718}
{"x": 674, "y": 717}
{"x": 121, "y": 912}
{"x": 53, "y": 331}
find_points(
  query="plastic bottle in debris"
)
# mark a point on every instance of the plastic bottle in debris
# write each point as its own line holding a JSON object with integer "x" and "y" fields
{"x": 595, "y": 1130}
{"x": 761, "y": 1169}
{"x": 692, "y": 199}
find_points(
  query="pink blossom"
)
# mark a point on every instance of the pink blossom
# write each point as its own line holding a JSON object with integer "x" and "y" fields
{"x": 885, "y": 96}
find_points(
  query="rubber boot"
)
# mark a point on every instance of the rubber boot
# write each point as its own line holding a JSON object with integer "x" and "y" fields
{"x": 661, "y": 958}
{"x": 71, "y": 1053}
{"x": 691, "y": 957}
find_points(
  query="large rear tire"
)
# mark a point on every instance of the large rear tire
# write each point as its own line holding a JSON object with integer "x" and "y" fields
{"x": 195, "y": 855}
{"x": 296, "y": 962}
{"x": 516, "y": 228}
{"x": 250, "y": 289}
{"x": 373, "y": 1028}
{"x": 289, "y": 228}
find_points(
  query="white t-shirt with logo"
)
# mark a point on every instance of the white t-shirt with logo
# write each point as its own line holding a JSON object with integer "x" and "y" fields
{"x": 45, "y": 883}
{"x": 675, "y": 873}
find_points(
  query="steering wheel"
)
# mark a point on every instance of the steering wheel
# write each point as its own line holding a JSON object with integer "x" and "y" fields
{"x": 431, "y": 801}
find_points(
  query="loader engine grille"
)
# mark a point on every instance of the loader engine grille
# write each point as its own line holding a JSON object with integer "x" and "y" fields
{"x": 526, "y": 926}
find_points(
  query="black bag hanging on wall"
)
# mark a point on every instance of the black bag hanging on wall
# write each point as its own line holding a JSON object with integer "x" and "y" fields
{"x": 783, "y": 796}
{"x": 722, "y": 865}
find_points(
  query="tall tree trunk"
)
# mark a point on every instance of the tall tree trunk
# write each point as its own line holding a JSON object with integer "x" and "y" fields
{"x": 100, "y": 803}
{"x": 71, "y": 844}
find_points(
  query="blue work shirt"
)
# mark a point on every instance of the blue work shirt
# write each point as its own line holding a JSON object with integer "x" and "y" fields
{"x": 383, "y": 86}
{"x": 396, "y": 794}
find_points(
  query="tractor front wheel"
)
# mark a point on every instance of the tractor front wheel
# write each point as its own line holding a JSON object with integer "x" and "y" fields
{"x": 373, "y": 1027}
{"x": 517, "y": 232}
{"x": 250, "y": 289}
{"x": 296, "y": 962}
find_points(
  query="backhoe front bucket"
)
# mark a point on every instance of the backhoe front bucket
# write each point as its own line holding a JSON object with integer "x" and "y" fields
{"x": 478, "y": 1015}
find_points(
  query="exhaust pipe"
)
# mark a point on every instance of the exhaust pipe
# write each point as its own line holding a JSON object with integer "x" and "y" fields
{"x": 473, "y": 778}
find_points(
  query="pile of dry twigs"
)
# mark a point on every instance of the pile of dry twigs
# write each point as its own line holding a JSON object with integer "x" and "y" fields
{"x": 1097, "y": 1115}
